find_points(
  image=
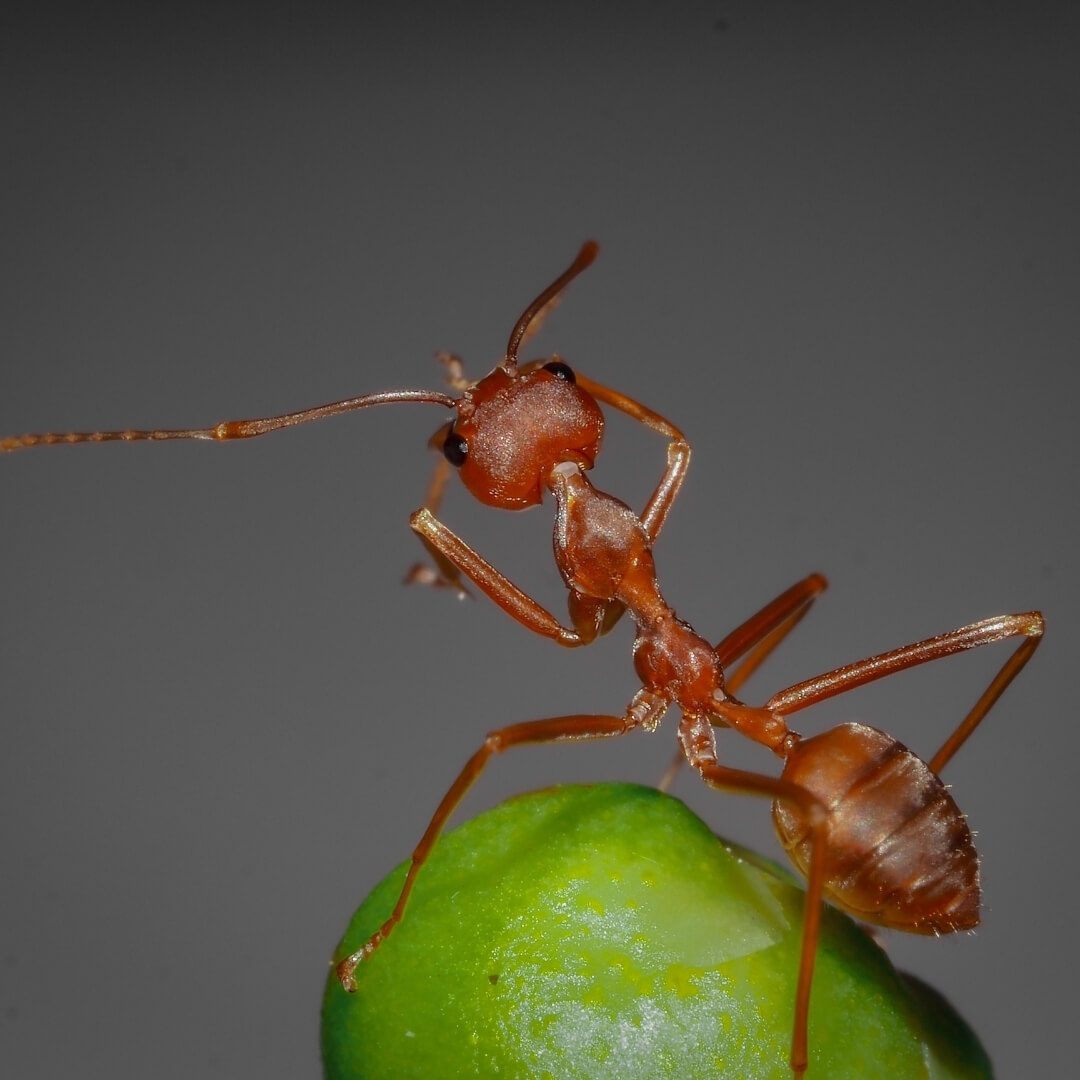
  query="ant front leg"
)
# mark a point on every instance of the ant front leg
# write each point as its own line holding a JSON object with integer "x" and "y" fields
{"x": 489, "y": 581}
{"x": 444, "y": 574}
{"x": 678, "y": 453}
{"x": 643, "y": 711}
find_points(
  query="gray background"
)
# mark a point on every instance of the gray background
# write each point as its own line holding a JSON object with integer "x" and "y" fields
{"x": 840, "y": 249}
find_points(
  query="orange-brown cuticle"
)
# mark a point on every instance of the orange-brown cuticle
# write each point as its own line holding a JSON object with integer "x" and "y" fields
{"x": 671, "y": 659}
{"x": 899, "y": 850}
{"x": 517, "y": 427}
{"x": 788, "y": 744}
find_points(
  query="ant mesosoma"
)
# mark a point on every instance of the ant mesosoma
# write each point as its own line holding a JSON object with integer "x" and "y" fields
{"x": 869, "y": 824}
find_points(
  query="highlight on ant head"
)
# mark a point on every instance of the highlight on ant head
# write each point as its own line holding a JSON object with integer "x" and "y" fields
{"x": 513, "y": 429}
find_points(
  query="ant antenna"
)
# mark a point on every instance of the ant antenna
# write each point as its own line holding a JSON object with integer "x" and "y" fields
{"x": 229, "y": 429}
{"x": 583, "y": 261}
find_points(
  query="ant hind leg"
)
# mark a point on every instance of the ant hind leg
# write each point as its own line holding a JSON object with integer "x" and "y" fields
{"x": 698, "y": 741}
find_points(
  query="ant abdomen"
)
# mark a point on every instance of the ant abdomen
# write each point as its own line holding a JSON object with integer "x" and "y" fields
{"x": 898, "y": 850}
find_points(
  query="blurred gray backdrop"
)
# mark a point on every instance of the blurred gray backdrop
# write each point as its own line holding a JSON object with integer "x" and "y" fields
{"x": 839, "y": 249}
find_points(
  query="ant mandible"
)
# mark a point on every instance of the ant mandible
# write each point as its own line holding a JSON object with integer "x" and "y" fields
{"x": 869, "y": 824}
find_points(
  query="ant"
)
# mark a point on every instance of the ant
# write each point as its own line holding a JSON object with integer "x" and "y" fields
{"x": 867, "y": 822}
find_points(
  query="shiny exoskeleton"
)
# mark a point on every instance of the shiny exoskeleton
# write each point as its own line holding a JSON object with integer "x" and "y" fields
{"x": 868, "y": 823}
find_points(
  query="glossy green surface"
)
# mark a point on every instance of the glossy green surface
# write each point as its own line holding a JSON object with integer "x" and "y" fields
{"x": 604, "y": 932}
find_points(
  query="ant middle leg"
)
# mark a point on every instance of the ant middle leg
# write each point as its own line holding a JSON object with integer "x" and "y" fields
{"x": 641, "y": 713}
{"x": 755, "y": 640}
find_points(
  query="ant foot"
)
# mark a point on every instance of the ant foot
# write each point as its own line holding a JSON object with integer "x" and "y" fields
{"x": 347, "y": 968}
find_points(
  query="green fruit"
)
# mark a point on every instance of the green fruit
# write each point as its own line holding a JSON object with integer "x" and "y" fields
{"x": 604, "y": 932}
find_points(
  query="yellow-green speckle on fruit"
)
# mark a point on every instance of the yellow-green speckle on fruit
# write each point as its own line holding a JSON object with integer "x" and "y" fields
{"x": 604, "y": 933}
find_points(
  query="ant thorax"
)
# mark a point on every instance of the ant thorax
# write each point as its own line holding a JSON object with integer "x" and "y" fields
{"x": 603, "y": 551}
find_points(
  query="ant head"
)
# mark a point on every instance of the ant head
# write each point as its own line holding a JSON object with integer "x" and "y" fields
{"x": 515, "y": 425}
{"x": 513, "y": 429}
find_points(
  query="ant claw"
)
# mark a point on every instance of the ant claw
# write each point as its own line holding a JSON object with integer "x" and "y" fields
{"x": 423, "y": 574}
{"x": 455, "y": 370}
{"x": 345, "y": 974}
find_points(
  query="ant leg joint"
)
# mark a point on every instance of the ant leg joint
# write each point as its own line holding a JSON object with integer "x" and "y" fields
{"x": 646, "y": 711}
{"x": 817, "y": 813}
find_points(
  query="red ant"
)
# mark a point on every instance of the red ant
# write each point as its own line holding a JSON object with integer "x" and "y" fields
{"x": 868, "y": 823}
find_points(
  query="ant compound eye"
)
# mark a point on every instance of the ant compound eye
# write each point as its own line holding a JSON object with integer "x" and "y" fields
{"x": 560, "y": 371}
{"x": 455, "y": 449}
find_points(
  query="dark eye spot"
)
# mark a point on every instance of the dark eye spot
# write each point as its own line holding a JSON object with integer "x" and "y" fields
{"x": 455, "y": 449}
{"x": 560, "y": 371}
